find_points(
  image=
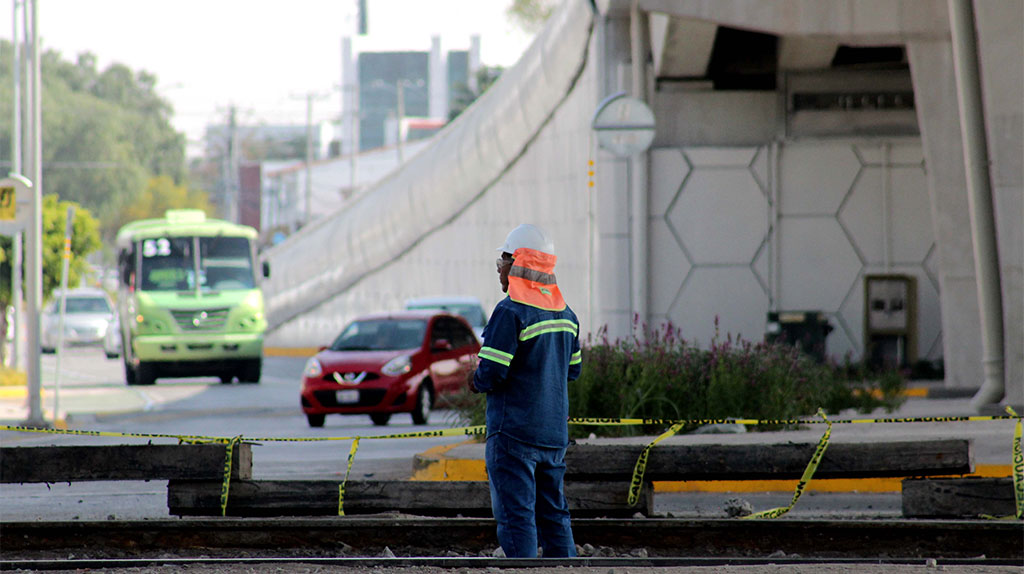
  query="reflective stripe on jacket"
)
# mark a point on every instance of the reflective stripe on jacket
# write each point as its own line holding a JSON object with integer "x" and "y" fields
{"x": 528, "y": 356}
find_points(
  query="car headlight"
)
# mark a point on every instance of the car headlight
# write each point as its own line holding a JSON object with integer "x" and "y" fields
{"x": 313, "y": 368}
{"x": 397, "y": 366}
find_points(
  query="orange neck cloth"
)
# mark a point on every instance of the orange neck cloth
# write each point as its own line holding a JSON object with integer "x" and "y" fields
{"x": 531, "y": 281}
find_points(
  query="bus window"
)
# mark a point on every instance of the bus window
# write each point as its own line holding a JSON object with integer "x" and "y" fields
{"x": 226, "y": 263}
{"x": 167, "y": 264}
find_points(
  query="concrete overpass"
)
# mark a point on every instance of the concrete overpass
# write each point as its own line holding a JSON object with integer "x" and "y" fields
{"x": 804, "y": 149}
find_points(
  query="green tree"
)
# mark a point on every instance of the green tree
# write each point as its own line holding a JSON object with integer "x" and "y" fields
{"x": 161, "y": 194}
{"x": 530, "y": 15}
{"x": 463, "y": 96}
{"x": 105, "y": 133}
{"x": 85, "y": 239}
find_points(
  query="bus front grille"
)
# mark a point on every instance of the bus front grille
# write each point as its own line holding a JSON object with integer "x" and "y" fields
{"x": 200, "y": 319}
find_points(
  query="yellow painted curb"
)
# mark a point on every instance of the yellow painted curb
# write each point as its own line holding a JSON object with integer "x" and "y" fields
{"x": 893, "y": 484}
{"x": 438, "y": 466}
{"x": 290, "y": 351}
{"x": 434, "y": 464}
{"x": 13, "y": 392}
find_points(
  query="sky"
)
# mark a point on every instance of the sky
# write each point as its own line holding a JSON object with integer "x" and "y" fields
{"x": 261, "y": 56}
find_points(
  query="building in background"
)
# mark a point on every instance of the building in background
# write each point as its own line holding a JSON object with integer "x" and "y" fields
{"x": 394, "y": 87}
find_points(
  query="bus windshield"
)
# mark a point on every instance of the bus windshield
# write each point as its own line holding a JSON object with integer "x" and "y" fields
{"x": 168, "y": 264}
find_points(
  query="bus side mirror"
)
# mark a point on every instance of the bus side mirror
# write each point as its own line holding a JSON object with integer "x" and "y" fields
{"x": 266, "y": 269}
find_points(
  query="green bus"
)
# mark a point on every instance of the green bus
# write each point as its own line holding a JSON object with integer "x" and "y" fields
{"x": 189, "y": 301}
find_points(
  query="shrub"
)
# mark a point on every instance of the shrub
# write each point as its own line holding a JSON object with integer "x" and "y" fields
{"x": 662, "y": 376}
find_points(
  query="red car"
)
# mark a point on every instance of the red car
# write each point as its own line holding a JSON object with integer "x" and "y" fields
{"x": 389, "y": 363}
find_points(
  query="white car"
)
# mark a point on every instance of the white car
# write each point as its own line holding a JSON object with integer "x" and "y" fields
{"x": 469, "y": 308}
{"x": 88, "y": 315}
{"x": 112, "y": 341}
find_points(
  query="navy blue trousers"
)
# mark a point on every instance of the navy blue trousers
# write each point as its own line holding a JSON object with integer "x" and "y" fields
{"x": 527, "y": 498}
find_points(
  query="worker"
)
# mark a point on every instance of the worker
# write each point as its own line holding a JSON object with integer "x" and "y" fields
{"x": 531, "y": 350}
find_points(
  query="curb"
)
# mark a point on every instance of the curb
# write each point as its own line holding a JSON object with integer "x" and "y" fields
{"x": 436, "y": 465}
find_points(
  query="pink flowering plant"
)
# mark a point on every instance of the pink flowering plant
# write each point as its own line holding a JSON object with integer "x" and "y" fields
{"x": 657, "y": 374}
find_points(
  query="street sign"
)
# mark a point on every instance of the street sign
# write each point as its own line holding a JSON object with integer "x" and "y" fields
{"x": 15, "y": 203}
{"x": 624, "y": 125}
{"x": 8, "y": 195}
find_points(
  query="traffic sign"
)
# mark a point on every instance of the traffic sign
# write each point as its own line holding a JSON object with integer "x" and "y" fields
{"x": 624, "y": 125}
{"x": 15, "y": 203}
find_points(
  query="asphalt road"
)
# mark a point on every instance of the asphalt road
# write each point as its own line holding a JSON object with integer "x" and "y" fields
{"x": 92, "y": 396}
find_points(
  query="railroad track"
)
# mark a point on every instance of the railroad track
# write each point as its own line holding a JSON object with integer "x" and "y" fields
{"x": 465, "y": 563}
{"x": 453, "y": 539}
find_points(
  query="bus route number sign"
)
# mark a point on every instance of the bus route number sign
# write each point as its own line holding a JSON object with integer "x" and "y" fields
{"x": 8, "y": 205}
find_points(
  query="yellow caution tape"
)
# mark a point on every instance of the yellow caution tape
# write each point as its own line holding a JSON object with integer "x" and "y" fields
{"x": 226, "y": 483}
{"x": 641, "y": 465}
{"x": 638, "y": 471}
{"x": 812, "y": 466}
{"x": 341, "y": 487}
{"x": 1018, "y": 473}
{"x": 779, "y": 422}
{"x": 1018, "y": 467}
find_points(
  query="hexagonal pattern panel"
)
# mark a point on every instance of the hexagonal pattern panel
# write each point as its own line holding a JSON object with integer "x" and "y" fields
{"x": 668, "y": 267}
{"x": 912, "y": 236}
{"x": 668, "y": 170}
{"x": 720, "y": 216}
{"x": 863, "y": 215}
{"x": 817, "y": 264}
{"x": 840, "y": 344}
{"x": 732, "y": 294}
{"x": 808, "y": 188}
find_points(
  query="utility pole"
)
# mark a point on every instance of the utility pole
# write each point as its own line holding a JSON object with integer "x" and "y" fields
{"x": 229, "y": 176}
{"x": 16, "y": 295}
{"x": 310, "y": 98}
{"x": 400, "y": 93}
{"x": 350, "y": 109}
{"x": 34, "y": 259}
{"x": 309, "y": 158}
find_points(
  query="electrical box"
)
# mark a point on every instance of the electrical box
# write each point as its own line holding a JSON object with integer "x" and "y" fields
{"x": 890, "y": 320}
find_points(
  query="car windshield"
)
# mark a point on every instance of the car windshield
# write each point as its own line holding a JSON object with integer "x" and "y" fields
{"x": 225, "y": 263}
{"x": 472, "y": 313}
{"x": 86, "y": 305}
{"x": 381, "y": 335}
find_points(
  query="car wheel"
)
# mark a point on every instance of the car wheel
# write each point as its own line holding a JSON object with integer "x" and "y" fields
{"x": 251, "y": 372}
{"x": 315, "y": 421}
{"x": 47, "y": 350}
{"x": 226, "y": 379}
{"x": 380, "y": 419}
{"x": 424, "y": 400}
{"x": 113, "y": 355}
{"x": 145, "y": 374}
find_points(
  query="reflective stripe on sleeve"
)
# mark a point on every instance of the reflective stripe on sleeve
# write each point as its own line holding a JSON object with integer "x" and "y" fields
{"x": 577, "y": 358}
{"x": 500, "y": 357}
{"x": 552, "y": 326}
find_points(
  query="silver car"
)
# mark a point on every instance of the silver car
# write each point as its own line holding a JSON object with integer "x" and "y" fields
{"x": 88, "y": 315}
{"x": 468, "y": 307}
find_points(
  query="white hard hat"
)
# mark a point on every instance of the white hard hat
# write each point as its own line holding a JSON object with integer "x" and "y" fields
{"x": 530, "y": 237}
